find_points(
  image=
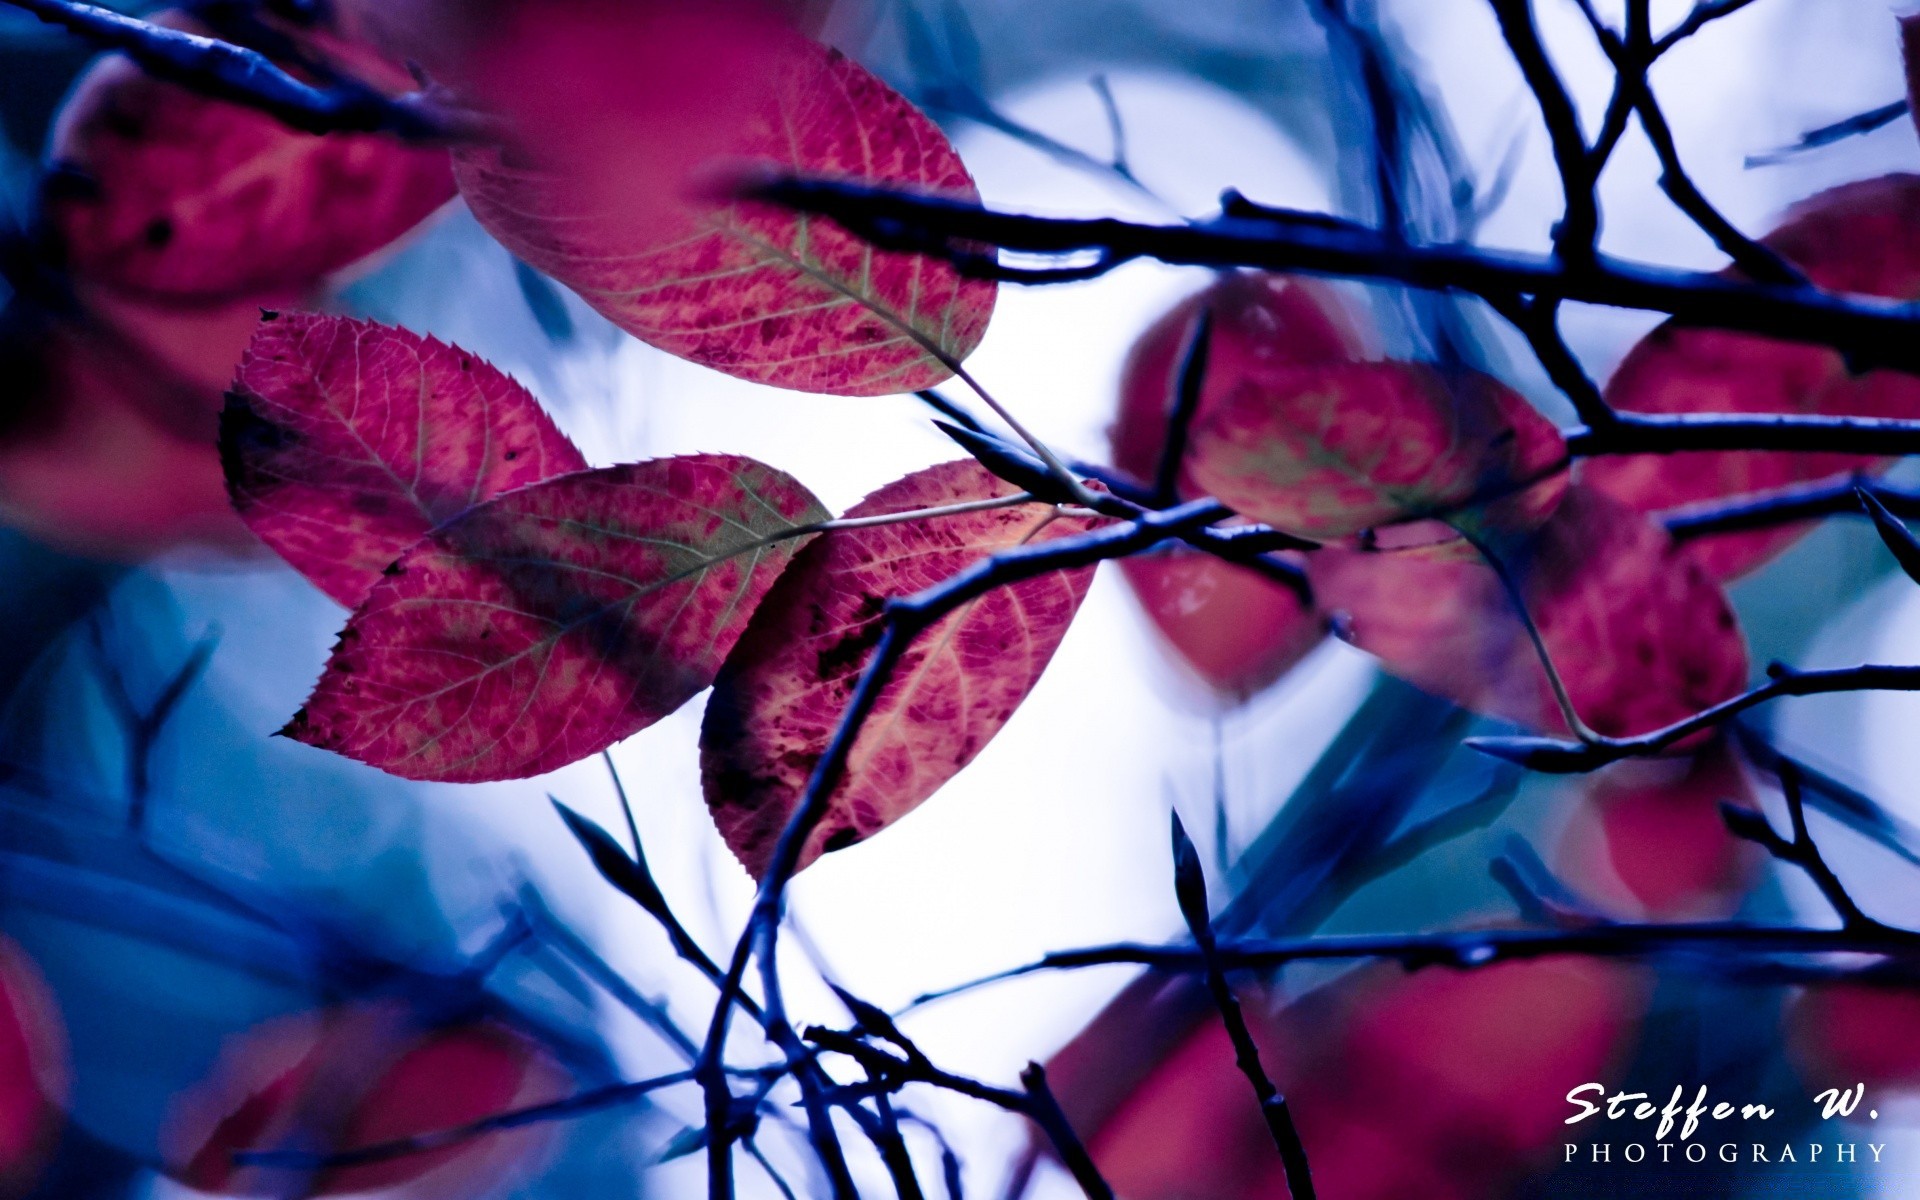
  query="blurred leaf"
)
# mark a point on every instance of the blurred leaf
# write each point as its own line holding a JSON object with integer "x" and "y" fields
{"x": 1326, "y": 451}
{"x": 1234, "y": 628}
{"x": 34, "y": 1072}
{"x": 162, "y": 192}
{"x": 1660, "y": 836}
{"x": 1261, "y": 324}
{"x": 361, "y": 1076}
{"x": 1857, "y": 238}
{"x": 1642, "y": 636}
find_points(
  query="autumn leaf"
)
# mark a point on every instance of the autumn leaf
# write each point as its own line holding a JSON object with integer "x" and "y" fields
{"x": 1847, "y": 1033}
{"x": 1328, "y": 450}
{"x": 1642, "y": 636}
{"x": 747, "y": 289}
{"x": 353, "y": 1077}
{"x": 782, "y": 693}
{"x": 1648, "y": 836}
{"x": 106, "y": 431}
{"x": 1389, "y": 1075}
{"x": 345, "y": 441}
{"x": 34, "y": 1072}
{"x": 161, "y": 192}
{"x": 1236, "y": 629}
{"x": 1861, "y": 238}
{"x": 550, "y": 622}
{"x": 1233, "y": 627}
{"x": 1260, "y": 323}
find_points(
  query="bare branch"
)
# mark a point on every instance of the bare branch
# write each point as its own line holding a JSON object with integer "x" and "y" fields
{"x": 228, "y": 72}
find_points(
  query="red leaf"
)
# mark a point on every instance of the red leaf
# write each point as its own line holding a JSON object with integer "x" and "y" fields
{"x": 550, "y": 622}
{"x": 354, "y": 1077}
{"x": 746, "y": 289}
{"x": 344, "y": 442}
{"x": 33, "y": 1071}
{"x": 1862, "y": 238}
{"x": 1438, "y": 1084}
{"x": 781, "y": 696}
{"x": 1650, "y": 837}
{"x": 1329, "y": 450}
{"x": 162, "y": 192}
{"x": 1641, "y": 635}
{"x": 1841, "y": 1034}
{"x": 106, "y": 436}
{"x": 1261, "y": 324}
{"x": 1236, "y": 629}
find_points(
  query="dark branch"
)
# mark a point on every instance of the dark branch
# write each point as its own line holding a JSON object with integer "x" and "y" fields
{"x": 1631, "y": 58}
{"x": 228, "y": 72}
{"x": 1046, "y": 1111}
{"x": 1634, "y": 433}
{"x": 1190, "y": 886}
{"x": 1800, "y": 849}
{"x": 1578, "y": 232}
{"x": 1555, "y": 757}
{"x": 1870, "y": 331}
{"x": 1838, "y": 131}
{"x": 1782, "y": 506}
{"x": 1471, "y": 949}
{"x": 1187, "y": 387}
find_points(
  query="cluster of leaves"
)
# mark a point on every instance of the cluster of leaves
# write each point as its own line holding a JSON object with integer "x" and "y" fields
{"x": 516, "y": 612}
{"x": 515, "y": 609}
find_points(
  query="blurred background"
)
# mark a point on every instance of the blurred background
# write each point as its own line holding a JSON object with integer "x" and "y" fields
{"x": 204, "y": 921}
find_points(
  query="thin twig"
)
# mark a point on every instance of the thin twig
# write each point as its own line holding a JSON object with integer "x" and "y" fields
{"x": 1190, "y": 886}
{"x": 1578, "y": 231}
{"x": 1555, "y": 757}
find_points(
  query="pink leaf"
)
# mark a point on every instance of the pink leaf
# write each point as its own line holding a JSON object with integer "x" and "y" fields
{"x": 784, "y": 689}
{"x": 1862, "y": 238}
{"x": 1640, "y": 633}
{"x": 1330, "y": 449}
{"x": 344, "y": 442}
{"x": 550, "y": 622}
{"x": 1237, "y": 630}
{"x": 753, "y": 291}
{"x": 165, "y": 193}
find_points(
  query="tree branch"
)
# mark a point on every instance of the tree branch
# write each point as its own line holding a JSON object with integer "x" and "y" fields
{"x": 225, "y": 71}
{"x": 1553, "y": 756}
{"x": 1190, "y": 886}
{"x": 1869, "y": 330}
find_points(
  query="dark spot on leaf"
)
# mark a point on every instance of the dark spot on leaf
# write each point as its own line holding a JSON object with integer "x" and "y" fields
{"x": 840, "y": 839}
{"x": 122, "y": 123}
{"x": 158, "y": 233}
{"x": 64, "y": 181}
